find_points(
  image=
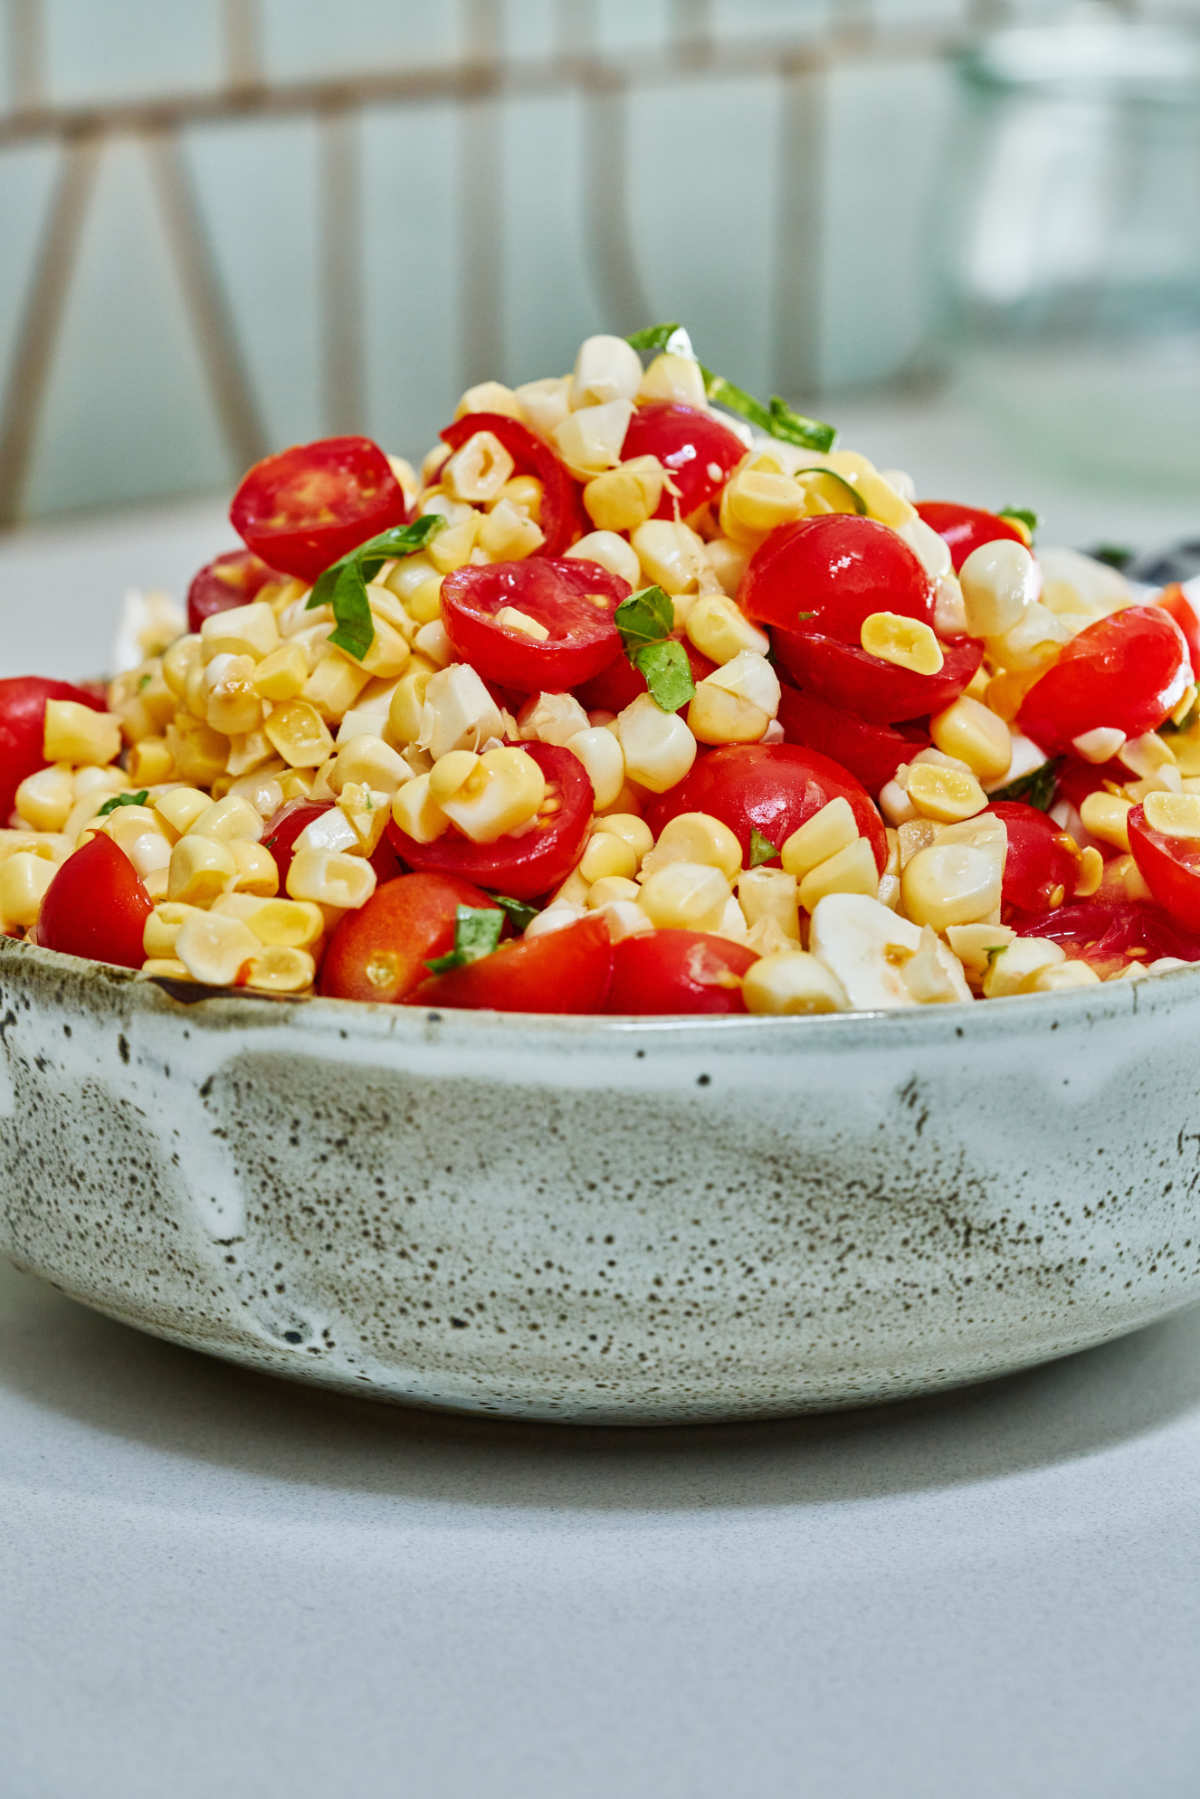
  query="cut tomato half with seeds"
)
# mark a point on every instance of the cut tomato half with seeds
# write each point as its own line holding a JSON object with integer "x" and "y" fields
{"x": 561, "y": 514}
{"x": 301, "y": 510}
{"x": 572, "y": 601}
{"x": 233, "y": 579}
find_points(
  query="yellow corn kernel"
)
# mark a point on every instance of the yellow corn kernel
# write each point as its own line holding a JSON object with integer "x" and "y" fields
{"x": 198, "y": 752}
{"x": 335, "y": 683}
{"x": 770, "y": 893}
{"x": 366, "y": 810}
{"x": 545, "y": 404}
{"x": 502, "y": 791}
{"x": 405, "y": 713}
{"x": 831, "y": 829}
{"x": 279, "y": 970}
{"x": 1034, "y": 641}
{"x": 165, "y": 968}
{"x": 478, "y": 469}
{"x": 433, "y": 644}
{"x": 589, "y": 439}
{"x": 999, "y": 582}
{"x": 1063, "y": 977}
{"x": 715, "y": 716}
{"x": 248, "y": 753}
{"x": 452, "y": 547}
{"x": 685, "y": 896}
{"x": 850, "y": 870}
{"x": 24, "y": 879}
{"x": 749, "y": 677}
{"x": 200, "y": 868}
{"x": 44, "y": 800}
{"x": 607, "y": 368}
{"x": 231, "y": 705}
{"x": 947, "y": 795}
{"x": 608, "y": 854}
{"x": 1174, "y": 814}
{"x": 213, "y": 948}
{"x": 405, "y": 576}
{"x": 150, "y": 762}
{"x": 1106, "y": 816}
{"x": 726, "y": 565}
{"x": 612, "y": 890}
{"x": 631, "y": 830}
{"x": 1091, "y": 873}
{"x": 241, "y": 631}
{"x": 597, "y": 748}
{"x": 299, "y": 734}
{"x": 623, "y": 498}
{"x": 257, "y": 870}
{"x": 489, "y": 396}
{"x": 974, "y": 945}
{"x": 228, "y": 818}
{"x": 330, "y": 878}
{"x": 417, "y": 813}
{"x": 671, "y": 555}
{"x": 951, "y": 883}
{"x": 878, "y": 495}
{"x": 612, "y": 552}
{"x": 162, "y": 927}
{"x": 792, "y": 983}
{"x": 507, "y": 534}
{"x": 296, "y": 784}
{"x": 658, "y": 746}
{"x": 389, "y": 652}
{"x": 720, "y": 630}
{"x": 694, "y": 837}
{"x": 178, "y": 661}
{"x": 515, "y": 620}
{"x": 138, "y": 833}
{"x": 1099, "y": 745}
{"x": 1019, "y": 965}
{"x": 525, "y": 492}
{"x": 180, "y": 807}
{"x": 54, "y": 848}
{"x": 904, "y": 642}
{"x": 368, "y": 761}
{"x": 281, "y": 675}
{"x": 75, "y": 733}
{"x": 975, "y": 735}
{"x": 277, "y": 923}
{"x": 673, "y": 377}
{"x": 551, "y": 718}
{"x": 755, "y": 502}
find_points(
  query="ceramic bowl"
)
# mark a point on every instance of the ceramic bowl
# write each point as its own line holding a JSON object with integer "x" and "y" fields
{"x": 603, "y": 1220}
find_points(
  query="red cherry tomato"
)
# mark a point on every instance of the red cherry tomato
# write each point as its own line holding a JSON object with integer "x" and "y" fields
{"x": 572, "y": 599}
{"x": 380, "y": 951}
{"x": 1040, "y": 862}
{"x": 1173, "y": 600}
{"x": 1110, "y": 936}
{"x": 664, "y": 972}
{"x": 233, "y": 579}
{"x": 302, "y": 509}
{"x": 845, "y": 675}
{"x": 964, "y": 528}
{"x": 1170, "y": 867}
{"x": 531, "y": 863}
{"x": 872, "y": 753}
{"x": 283, "y": 828}
{"x": 561, "y": 515}
{"x": 1130, "y": 670}
{"x": 839, "y": 569}
{"x": 562, "y": 971}
{"x": 772, "y": 788}
{"x": 699, "y": 452}
{"x": 96, "y": 906}
{"x": 23, "y": 724}
{"x": 621, "y": 683}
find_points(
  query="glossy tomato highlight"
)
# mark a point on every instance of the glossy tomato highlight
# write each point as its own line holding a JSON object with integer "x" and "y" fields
{"x": 1129, "y": 670}
{"x": 697, "y": 450}
{"x": 964, "y": 529}
{"x": 826, "y": 575}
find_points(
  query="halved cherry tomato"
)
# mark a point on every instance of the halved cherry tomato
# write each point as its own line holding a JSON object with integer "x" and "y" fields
{"x": 96, "y": 906}
{"x": 380, "y": 951}
{"x": 233, "y": 579}
{"x": 561, "y": 514}
{"x": 772, "y": 788}
{"x": 532, "y": 862}
{"x": 965, "y": 528}
{"x": 1110, "y": 936}
{"x": 1170, "y": 867}
{"x": 1173, "y": 600}
{"x": 561, "y": 971}
{"x": 283, "y": 828}
{"x": 621, "y": 683}
{"x": 838, "y": 569}
{"x": 1040, "y": 862}
{"x": 572, "y": 599}
{"x": 664, "y": 972}
{"x": 872, "y": 753}
{"x": 848, "y": 676}
{"x": 1130, "y": 670}
{"x": 23, "y": 724}
{"x": 699, "y": 452}
{"x": 302, "y": 509}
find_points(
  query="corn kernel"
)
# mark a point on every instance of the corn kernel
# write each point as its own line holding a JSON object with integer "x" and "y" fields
{"x": 904, "y": 642}
{"x": 658, "y": 747}
{"x": 1032, "y": 642}
{"x": 606, "y": 369}
{"x": 589, "y": 440}
{"x": 671, "y": 555}
{"x": 974, "y": 945}
{"x": 276, "y": 923}
{"x": 878, "y": 495}
{"x": 198, "y": 752}
{"x": 1149, "y": 756}
{"x": 612, "y": 890}
{"x": 770, "y": 893}
{"x": 165, "y": 968}
{"x": 631, "y": 830}
{"x": 330, "y": 878}
{"x": 478, "y": 469}
{"x": 999, "y": 582}
{"x": 551, "y": 718}
{"x": 1106, "y": 816}
{"x": 241, "y": 631}
{"x": 673, "y": 377}
{"x": 685, "y": 896}
{"x": 975, "y": 735}
{"x": 489, "y": 396}
{"x": 178, "y": 661}
{"x": 607, "y": 854}
{"x": 44, "y": 799}
{"x": 75, "y": 733}
{"x": 951, "y": 883}
{"x": 1099, "y": 745}
{"x": 694, "y": 837}
{"x": 1063, "y": 977}
{"x": 299, "y": 734}
{"x": 726, "y": 567}
{"x": 1174, "y": 814}
{"x": 754, "y": 503}
{"x": 24, "y": 879}
{"x": 228, "y": 818}
{"x": 545, "y": 404}
{"x": 833, "y": 828}
{"x": 721, "y": 631}
{"x": 200, "y": 868}
{"x": 945, "y": 794}
{"x": 717, "y": 716}
{"x": 600, "y": 753}
{"x": 507, "y": 535}
{"x": 282, "y": 674}
{"x": 366, "y": 760}
{"x": 257, "y": 869}
{"x": 1019, "y": 964}
{"x": 501, "y": 792}
{"x": 623, "y": 498}
{"x": 458, "y": 713}
{"x": 1091, "y": 873}
{"x": 417, "y": 813}
{"x": 279, "y": 970}
{"x": 213, "y": 948}
{"x": 162, "y": 927}
{"x": 150, "y": 762}
{"x": 611, "y": 552}
{"x": 851, "y": 870}
{"x": 792, "y": 983}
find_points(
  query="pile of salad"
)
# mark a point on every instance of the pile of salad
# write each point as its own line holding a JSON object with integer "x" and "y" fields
{"x": 640, "y": 697}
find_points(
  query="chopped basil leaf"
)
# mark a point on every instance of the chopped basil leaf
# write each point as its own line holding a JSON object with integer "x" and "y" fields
{"x": 645, "y": 621}
{"x": 344, "y": 584}
{"x": 1035, "y": 789}
{"x": 660, "y": 337}
{"x": 123, "y": 799}
{"x": 801, "y": 616}
{"x": 476, "y": 933}
{"x": 1114, "y": 555}
{"x": 993, "y": 950}
{"x": 645, "y": 617}
{"x": 520, "y": 915}
{"x": 777, "y": 418}
{"x": 1023, "y": 515}
{"x": 144, "y": 683}
{"x": 761, "y": 848}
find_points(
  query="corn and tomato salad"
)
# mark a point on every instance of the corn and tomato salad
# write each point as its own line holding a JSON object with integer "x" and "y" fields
{"x": 638, "y": 696}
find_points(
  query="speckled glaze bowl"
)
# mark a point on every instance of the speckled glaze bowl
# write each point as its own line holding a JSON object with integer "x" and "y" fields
{"x": 603, "y": 1221}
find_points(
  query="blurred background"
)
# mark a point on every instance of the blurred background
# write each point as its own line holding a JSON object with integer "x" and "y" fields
{"x": 966, "y": 230}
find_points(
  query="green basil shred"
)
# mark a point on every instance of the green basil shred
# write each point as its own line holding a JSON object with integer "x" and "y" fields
{"x": 1035, "y": 789}
{"x": 123, "y": 799}
{"x": 476, "y": 934}
{"x": 761, "y": 848}
{"x": 776, "y": 418}
{"x": 343, "y": 585}
{"x": 645, "y": 621}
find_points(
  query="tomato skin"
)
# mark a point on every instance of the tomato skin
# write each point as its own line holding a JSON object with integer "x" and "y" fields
{"x": 1170, "y": 867}
{"x": 620, "y": 683}
{"x": 23, "y": 724}
{"x": 1130, "y": 669}
{"x": 96, "y": 906}
{"x": 1111, "y": 935}
{"x": 1039, "y": 863}
{"x": 965, "y": 528}
{"x": 300, "y": 510}
{"x": 661, "y": 973}
{"x": 772, "y": 788}
{"x": 283, "y": 827}
{"x": 232, "y": 579}
{"x": 871, "y": 752}
{"x": 379, "y": 952}
{"x": 562, "y": 516}
{"x": 689, "y": 443}
{"x": 843, "y": 674}
{"x": 558, "y": 594}
{"x": 1173, "y": 600}
{"x": 530, "y": 864}
{"x": 560, "y": 971}
{"x": 840, "y": 569}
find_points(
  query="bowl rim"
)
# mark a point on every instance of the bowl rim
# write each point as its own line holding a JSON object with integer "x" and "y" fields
{"x": 373, "y": 1021}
